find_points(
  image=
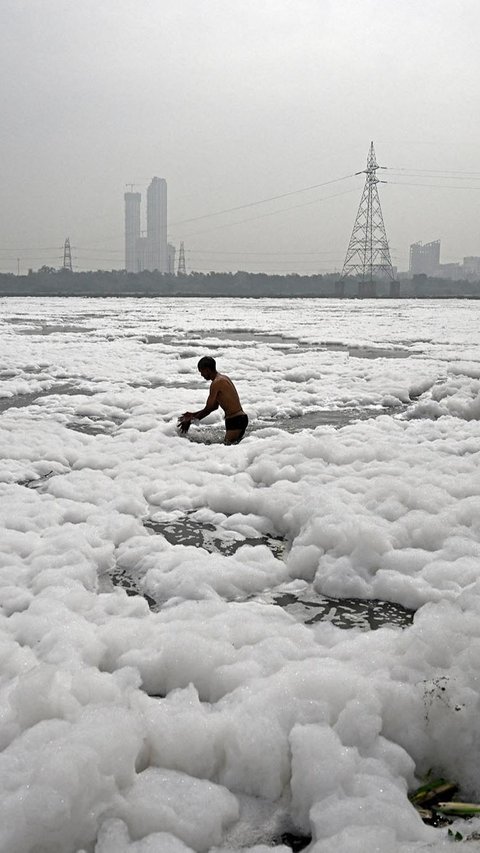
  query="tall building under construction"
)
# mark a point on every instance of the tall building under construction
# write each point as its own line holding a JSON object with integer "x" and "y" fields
{"x": 147, "y": 252}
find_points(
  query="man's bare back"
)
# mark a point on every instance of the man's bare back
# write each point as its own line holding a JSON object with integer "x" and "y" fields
{"x": 223, "y": 390}
{"x": 224, "y": 394}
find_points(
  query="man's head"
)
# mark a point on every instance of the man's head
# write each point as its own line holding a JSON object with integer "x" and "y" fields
{"x": 207, "y": 367}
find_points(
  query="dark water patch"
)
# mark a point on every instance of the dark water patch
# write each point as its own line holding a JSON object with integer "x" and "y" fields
{"x": 325, "y": 417}
{"x": 193, "y": 385}
{"x": 95, "y": 425}
{"x": 365, "y": 351}
{"x": 200, "y": 338}
{"x": 336, "y": 418}
{"x": 283, "y": 343}
{"x": 88, "y": 428}
{"x": 19, "y": 401}
{"x": 167, "y": 338}
{"x": 119, "y": 577}
{"x": 200, "y": 534}
{"x": 189, "y": 531}
{"x": 358, "y": 351}
{"x": 295, "y": 842}
{"x": 367, "y": 614}
{"x": 311, "y": 420}
{"x": 205, "y": 435}
{"x": 54, "y": 329}
{"x": 37, "y": 482}
{"x": 305, "y": 606}
{"x": 27, "y": 371}
{"x": 95, "y": 315}
{"x": 373, "y": 352}
{"x": 9, "y": 373}
{"x": 46, "y": 370}
{"x": 242, "y": 335}
{"x": 154, "y": 339}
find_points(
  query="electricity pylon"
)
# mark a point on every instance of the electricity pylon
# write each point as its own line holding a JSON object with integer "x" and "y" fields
{"x": 67, "y": 256}
{"x": 368, "y": 254}
{"x": 182, "y": 269}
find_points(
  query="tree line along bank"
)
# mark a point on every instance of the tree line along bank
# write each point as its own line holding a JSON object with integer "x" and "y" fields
{"x": 221, "y": 284}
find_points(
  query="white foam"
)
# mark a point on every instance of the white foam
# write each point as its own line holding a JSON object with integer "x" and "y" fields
{"x": 130, "y": 730}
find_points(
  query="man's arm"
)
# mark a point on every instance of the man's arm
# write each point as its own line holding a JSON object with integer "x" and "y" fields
{"x": 185, "y": 420}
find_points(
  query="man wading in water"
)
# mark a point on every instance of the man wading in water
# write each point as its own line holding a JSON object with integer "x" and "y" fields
{"x": 222, "y": 393}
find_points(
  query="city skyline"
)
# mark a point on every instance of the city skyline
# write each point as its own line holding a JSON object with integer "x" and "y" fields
{"x": 148, "y": 252}
{"x": 146, "y": 247}
{"x": 242, "y": 103}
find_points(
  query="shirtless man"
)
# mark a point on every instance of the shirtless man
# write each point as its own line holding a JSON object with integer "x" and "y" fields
{"x": 222, "y": 393}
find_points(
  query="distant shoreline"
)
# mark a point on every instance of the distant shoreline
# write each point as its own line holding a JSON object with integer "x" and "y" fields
{"x": 137, "y": 295}
{"x": 48, "y": 282}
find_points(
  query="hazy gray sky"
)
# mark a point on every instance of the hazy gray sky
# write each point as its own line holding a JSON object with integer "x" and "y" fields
{"x": 234, "y": 101}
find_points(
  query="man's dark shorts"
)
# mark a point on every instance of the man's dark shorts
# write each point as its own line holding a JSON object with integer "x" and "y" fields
{"x": 237, "y": 422}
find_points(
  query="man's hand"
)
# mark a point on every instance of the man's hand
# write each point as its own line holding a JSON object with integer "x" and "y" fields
{"x": 184, "y": 422}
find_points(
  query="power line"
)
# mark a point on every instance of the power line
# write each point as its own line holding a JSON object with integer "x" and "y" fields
{"x": 432, "y": 186}
{"x": 240, "y": 252}
{"x": 33, "y": 249}
{"x": 262, "y": 201}
{"x": 265, "y": 215}
{"x": 432, "y": 171}
{"x": 90, "y": 249}
{"x": 433, "y": 177}
{"x": 119, "y": 236}
{"x": 313, "y": 269}
{"x": 31, "y": 258}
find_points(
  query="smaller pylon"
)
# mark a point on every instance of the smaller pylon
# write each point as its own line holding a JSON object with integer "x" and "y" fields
{"x": 181, "y": 269}
{"x": 67, "y": 256}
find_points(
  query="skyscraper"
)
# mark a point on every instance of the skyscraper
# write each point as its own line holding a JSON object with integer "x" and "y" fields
{"x": 157, "y": 257}
{"x": 132, "y": 230}
{"x": 150, "y": 252}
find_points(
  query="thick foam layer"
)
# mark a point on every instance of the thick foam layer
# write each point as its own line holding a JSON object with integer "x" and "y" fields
{"x": 214, "y": 710}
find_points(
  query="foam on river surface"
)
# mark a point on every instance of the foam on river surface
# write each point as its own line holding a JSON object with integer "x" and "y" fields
{"x": 241, "y": 698}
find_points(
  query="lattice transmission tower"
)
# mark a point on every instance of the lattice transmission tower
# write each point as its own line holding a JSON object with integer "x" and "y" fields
{"x": 67, "y": 256}
{"x": 368, "y": 254}
{"x": 182, "y": 268}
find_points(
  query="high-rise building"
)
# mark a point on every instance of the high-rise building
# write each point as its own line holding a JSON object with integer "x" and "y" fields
{"x": 157, "y": 225}
{"x": 150, "y": 252}
{"x": 424, "y": 258}
{"x": 132, "y": 230}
